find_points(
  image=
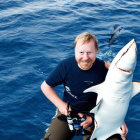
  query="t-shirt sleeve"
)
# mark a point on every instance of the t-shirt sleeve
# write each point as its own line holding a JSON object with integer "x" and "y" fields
{"x": 57, "y": 76}
{"x": 105, "y": 70}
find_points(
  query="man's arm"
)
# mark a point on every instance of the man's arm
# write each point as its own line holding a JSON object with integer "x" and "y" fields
{"x": 50, "y": 93}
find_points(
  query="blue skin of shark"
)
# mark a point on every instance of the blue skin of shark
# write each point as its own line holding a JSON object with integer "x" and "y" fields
{"x": 115, "y": 93}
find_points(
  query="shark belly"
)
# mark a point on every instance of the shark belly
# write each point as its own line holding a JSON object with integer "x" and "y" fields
{"x": 106, "y": 118}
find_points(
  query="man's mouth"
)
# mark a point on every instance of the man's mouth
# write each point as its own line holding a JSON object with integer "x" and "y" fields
{"x": 85, "y": 62}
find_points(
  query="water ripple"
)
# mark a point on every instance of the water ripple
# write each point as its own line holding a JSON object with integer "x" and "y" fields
{"x": 35, "y": 36}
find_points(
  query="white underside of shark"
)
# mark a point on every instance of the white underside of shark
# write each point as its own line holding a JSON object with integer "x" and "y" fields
{"x": 115, "y": 93}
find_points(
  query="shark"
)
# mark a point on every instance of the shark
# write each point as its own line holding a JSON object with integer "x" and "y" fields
{"x": 116, "y": 31}
{"x": 115, "y": 93}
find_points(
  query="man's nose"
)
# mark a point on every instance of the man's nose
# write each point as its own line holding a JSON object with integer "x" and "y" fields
{"x": 85, "y": 56}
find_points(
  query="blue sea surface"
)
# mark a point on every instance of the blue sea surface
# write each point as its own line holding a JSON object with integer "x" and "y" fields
{"x": 35, "y": 36}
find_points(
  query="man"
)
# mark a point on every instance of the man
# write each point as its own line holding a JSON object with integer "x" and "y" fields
{"x": 76, "y": 74}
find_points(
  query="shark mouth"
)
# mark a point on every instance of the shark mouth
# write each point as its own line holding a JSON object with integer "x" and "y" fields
{"x": 125, "y": 71}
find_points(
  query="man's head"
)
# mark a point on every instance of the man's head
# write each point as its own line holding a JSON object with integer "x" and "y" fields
{"x": 86, "y": 47}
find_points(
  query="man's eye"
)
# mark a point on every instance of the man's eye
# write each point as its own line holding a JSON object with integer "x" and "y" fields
{"x": 89, "y": 52}
{"x": 81, "y": 52}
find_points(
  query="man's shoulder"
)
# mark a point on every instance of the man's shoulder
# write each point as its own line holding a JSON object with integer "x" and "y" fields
{"x": 100, "y": 65}
{"x": 99, "y": 62}
{"x": 68, "y": 61}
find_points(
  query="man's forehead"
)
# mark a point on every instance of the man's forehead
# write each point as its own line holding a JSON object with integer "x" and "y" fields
{"x": 82, "y": 42}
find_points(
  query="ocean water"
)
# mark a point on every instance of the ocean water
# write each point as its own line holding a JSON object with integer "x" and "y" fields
{"x": 35, "y": 36}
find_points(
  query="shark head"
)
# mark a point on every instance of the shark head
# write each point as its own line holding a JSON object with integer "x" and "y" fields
{"x": 124, "y": 63}
{"x": 120, "y": 73}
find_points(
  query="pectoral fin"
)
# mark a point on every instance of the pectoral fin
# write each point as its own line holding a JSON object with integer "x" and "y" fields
{"x": 95, "y": 89}
{"x": 136, "y": 88}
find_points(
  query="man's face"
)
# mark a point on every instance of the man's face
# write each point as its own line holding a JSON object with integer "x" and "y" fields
{"x": 85, "y": 54}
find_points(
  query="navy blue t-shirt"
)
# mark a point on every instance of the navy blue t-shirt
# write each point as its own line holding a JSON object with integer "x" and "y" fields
{"x": 76, "y": 80}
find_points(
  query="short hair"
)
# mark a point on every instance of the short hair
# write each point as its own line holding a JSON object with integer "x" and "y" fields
{"x": 85, "y": 37}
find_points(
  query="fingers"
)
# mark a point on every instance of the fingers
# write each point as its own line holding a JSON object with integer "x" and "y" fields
{"x": 80, "y": 115}
{"x": 68, "y": 110}
{"x": 85, "y": 124}
{"x": 124, "y": 130}
{"x": 65, "y": 109}
{"x": 107, "y": 64}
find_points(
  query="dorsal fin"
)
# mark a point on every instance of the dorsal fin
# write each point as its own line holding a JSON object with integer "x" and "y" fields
{"x": 115, "y": 27}
{"x": 136, "y": 88}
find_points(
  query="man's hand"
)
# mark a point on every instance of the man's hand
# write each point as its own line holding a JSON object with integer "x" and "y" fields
{"x": 124, "y": 130}
{"x": 107, "y": 64}
{"x": 64, "y": 109}
{"x": 85, "y": 124}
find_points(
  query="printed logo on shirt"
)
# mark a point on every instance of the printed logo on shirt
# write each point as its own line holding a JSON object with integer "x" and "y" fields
{"x": 69, "y": 91}
{"x": 89, "y": 82}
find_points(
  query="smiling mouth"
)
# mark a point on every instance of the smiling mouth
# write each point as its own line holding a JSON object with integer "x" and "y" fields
{"x": 85, "y": 63}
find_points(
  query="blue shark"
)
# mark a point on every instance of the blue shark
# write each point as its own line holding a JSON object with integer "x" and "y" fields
{"x": 115, "y": 93}
{"x": 116, "y": 31}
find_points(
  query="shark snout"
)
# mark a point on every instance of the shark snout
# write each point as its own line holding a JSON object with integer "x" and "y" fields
{"x": 127, "y": 61}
